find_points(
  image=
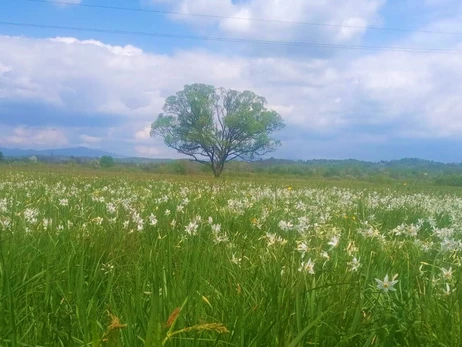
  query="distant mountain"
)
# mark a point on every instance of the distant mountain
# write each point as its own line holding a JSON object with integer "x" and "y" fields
{"x": 141, "y": 160}
{"x": 60, "y": 152}
{"x": 63, "y": 154}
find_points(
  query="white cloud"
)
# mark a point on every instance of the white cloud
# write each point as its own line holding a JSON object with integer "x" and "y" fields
{"x": 92, "y": 77}
{"x": 148, "y": 151}
{"x": 352, "y": 27}
{"x": 145, "y": 133}
{"x": 127, "y": 50}
{"x": 35, "y": 136}
{"x": 90, "y": 139}
{"x": 381, "y": 89}
{"x": 66, "y": 3}
{"x": 285, "y": 15}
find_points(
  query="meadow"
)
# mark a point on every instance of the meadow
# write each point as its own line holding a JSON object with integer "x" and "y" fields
{"x": 95, "y": 259}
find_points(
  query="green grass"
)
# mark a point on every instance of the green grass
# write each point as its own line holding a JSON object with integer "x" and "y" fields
{"x": 97, "y": 273}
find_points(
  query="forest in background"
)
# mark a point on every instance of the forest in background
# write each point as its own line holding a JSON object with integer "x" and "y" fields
{"x": 408, "y": 169}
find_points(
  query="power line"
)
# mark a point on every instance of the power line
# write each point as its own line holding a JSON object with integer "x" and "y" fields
{"x": 230, "y": 39}
{"x": 121, "y": 8}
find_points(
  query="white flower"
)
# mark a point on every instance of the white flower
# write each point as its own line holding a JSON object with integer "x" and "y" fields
{"x": 46, "y": 223}
{"x": 448, "y": 290}
{"x": 3, "y": 205}
{"x": 302, "y": 247}
{"x": 235, "y": 260}
{"x": 444, "y": 232}
{"x": 136, "y": 217}
{"x": 63, "y": 202}
{"x": 446, "y": 273}
{"x": 412, "y": 230}
{"x": 303, "y": 225}
{"x": 386, "y": 285}
{"x": 152, "y": 219}
{"x": 167, "y": 212}
{"x": 449, "y": 245}
{"x": 221, "y": 238}
{"x": 107, "y": 268}
{"x": 424, "y": 246}
{"x": 369, "y": 232}
{"x": 272, "y": 239}
{"x": 354, "y": 264}
{"x": 110, "y": 207}
{"x": 191, "y": 228}
{"x": 5, "y": 222}
{"x": 333, "y": 242}
{"x": 216, "y": 228}
{"x": 307, "y": 266}
{"x": 30, "y": 215}
{"x": 285, "y": 226}
{"x": 399, "y": 230}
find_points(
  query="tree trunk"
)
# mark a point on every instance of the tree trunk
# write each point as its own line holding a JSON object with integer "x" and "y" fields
{"x": 217, "y": 165}
{"x": 217, "y": 169}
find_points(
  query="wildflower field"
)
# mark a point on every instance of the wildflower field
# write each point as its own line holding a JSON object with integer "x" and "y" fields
{"x": 129, "y": 260}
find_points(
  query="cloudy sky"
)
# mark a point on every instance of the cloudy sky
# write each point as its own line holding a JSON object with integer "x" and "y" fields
{"x": 355, "y": 97}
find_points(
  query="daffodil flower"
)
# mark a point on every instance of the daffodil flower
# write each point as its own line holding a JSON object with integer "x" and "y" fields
{"x": 386, "y": 284}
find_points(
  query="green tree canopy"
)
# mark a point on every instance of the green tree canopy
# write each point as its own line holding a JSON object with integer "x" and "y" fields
{"x": 106, "y": 161}
{"x": 215, "y": 125}
{"x": 1, "y": 156}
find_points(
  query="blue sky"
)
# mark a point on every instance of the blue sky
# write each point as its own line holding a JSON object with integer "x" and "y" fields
{"x": 63, "y": 88}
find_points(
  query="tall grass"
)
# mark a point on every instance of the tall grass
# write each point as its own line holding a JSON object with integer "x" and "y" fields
{"x": 97, "y": 261}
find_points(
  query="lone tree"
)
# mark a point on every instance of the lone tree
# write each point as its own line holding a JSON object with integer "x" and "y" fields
{"x": 214, "y": 125}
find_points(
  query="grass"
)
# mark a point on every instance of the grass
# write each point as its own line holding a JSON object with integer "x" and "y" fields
{"x": 92, "y": 259}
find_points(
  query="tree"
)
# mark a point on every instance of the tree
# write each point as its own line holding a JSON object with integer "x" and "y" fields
{"x": 106, "y": 161}
{"x": 214, "y": 125}
{"x": 1, "y": 156}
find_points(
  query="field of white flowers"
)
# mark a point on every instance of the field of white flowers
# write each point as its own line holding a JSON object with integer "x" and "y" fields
{"x": 92, "y": 260}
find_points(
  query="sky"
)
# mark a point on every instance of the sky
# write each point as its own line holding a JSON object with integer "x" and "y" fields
{"x": 355, "y": 97}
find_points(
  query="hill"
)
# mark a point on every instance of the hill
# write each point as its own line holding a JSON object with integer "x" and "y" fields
{"x": 82, "y": 152}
